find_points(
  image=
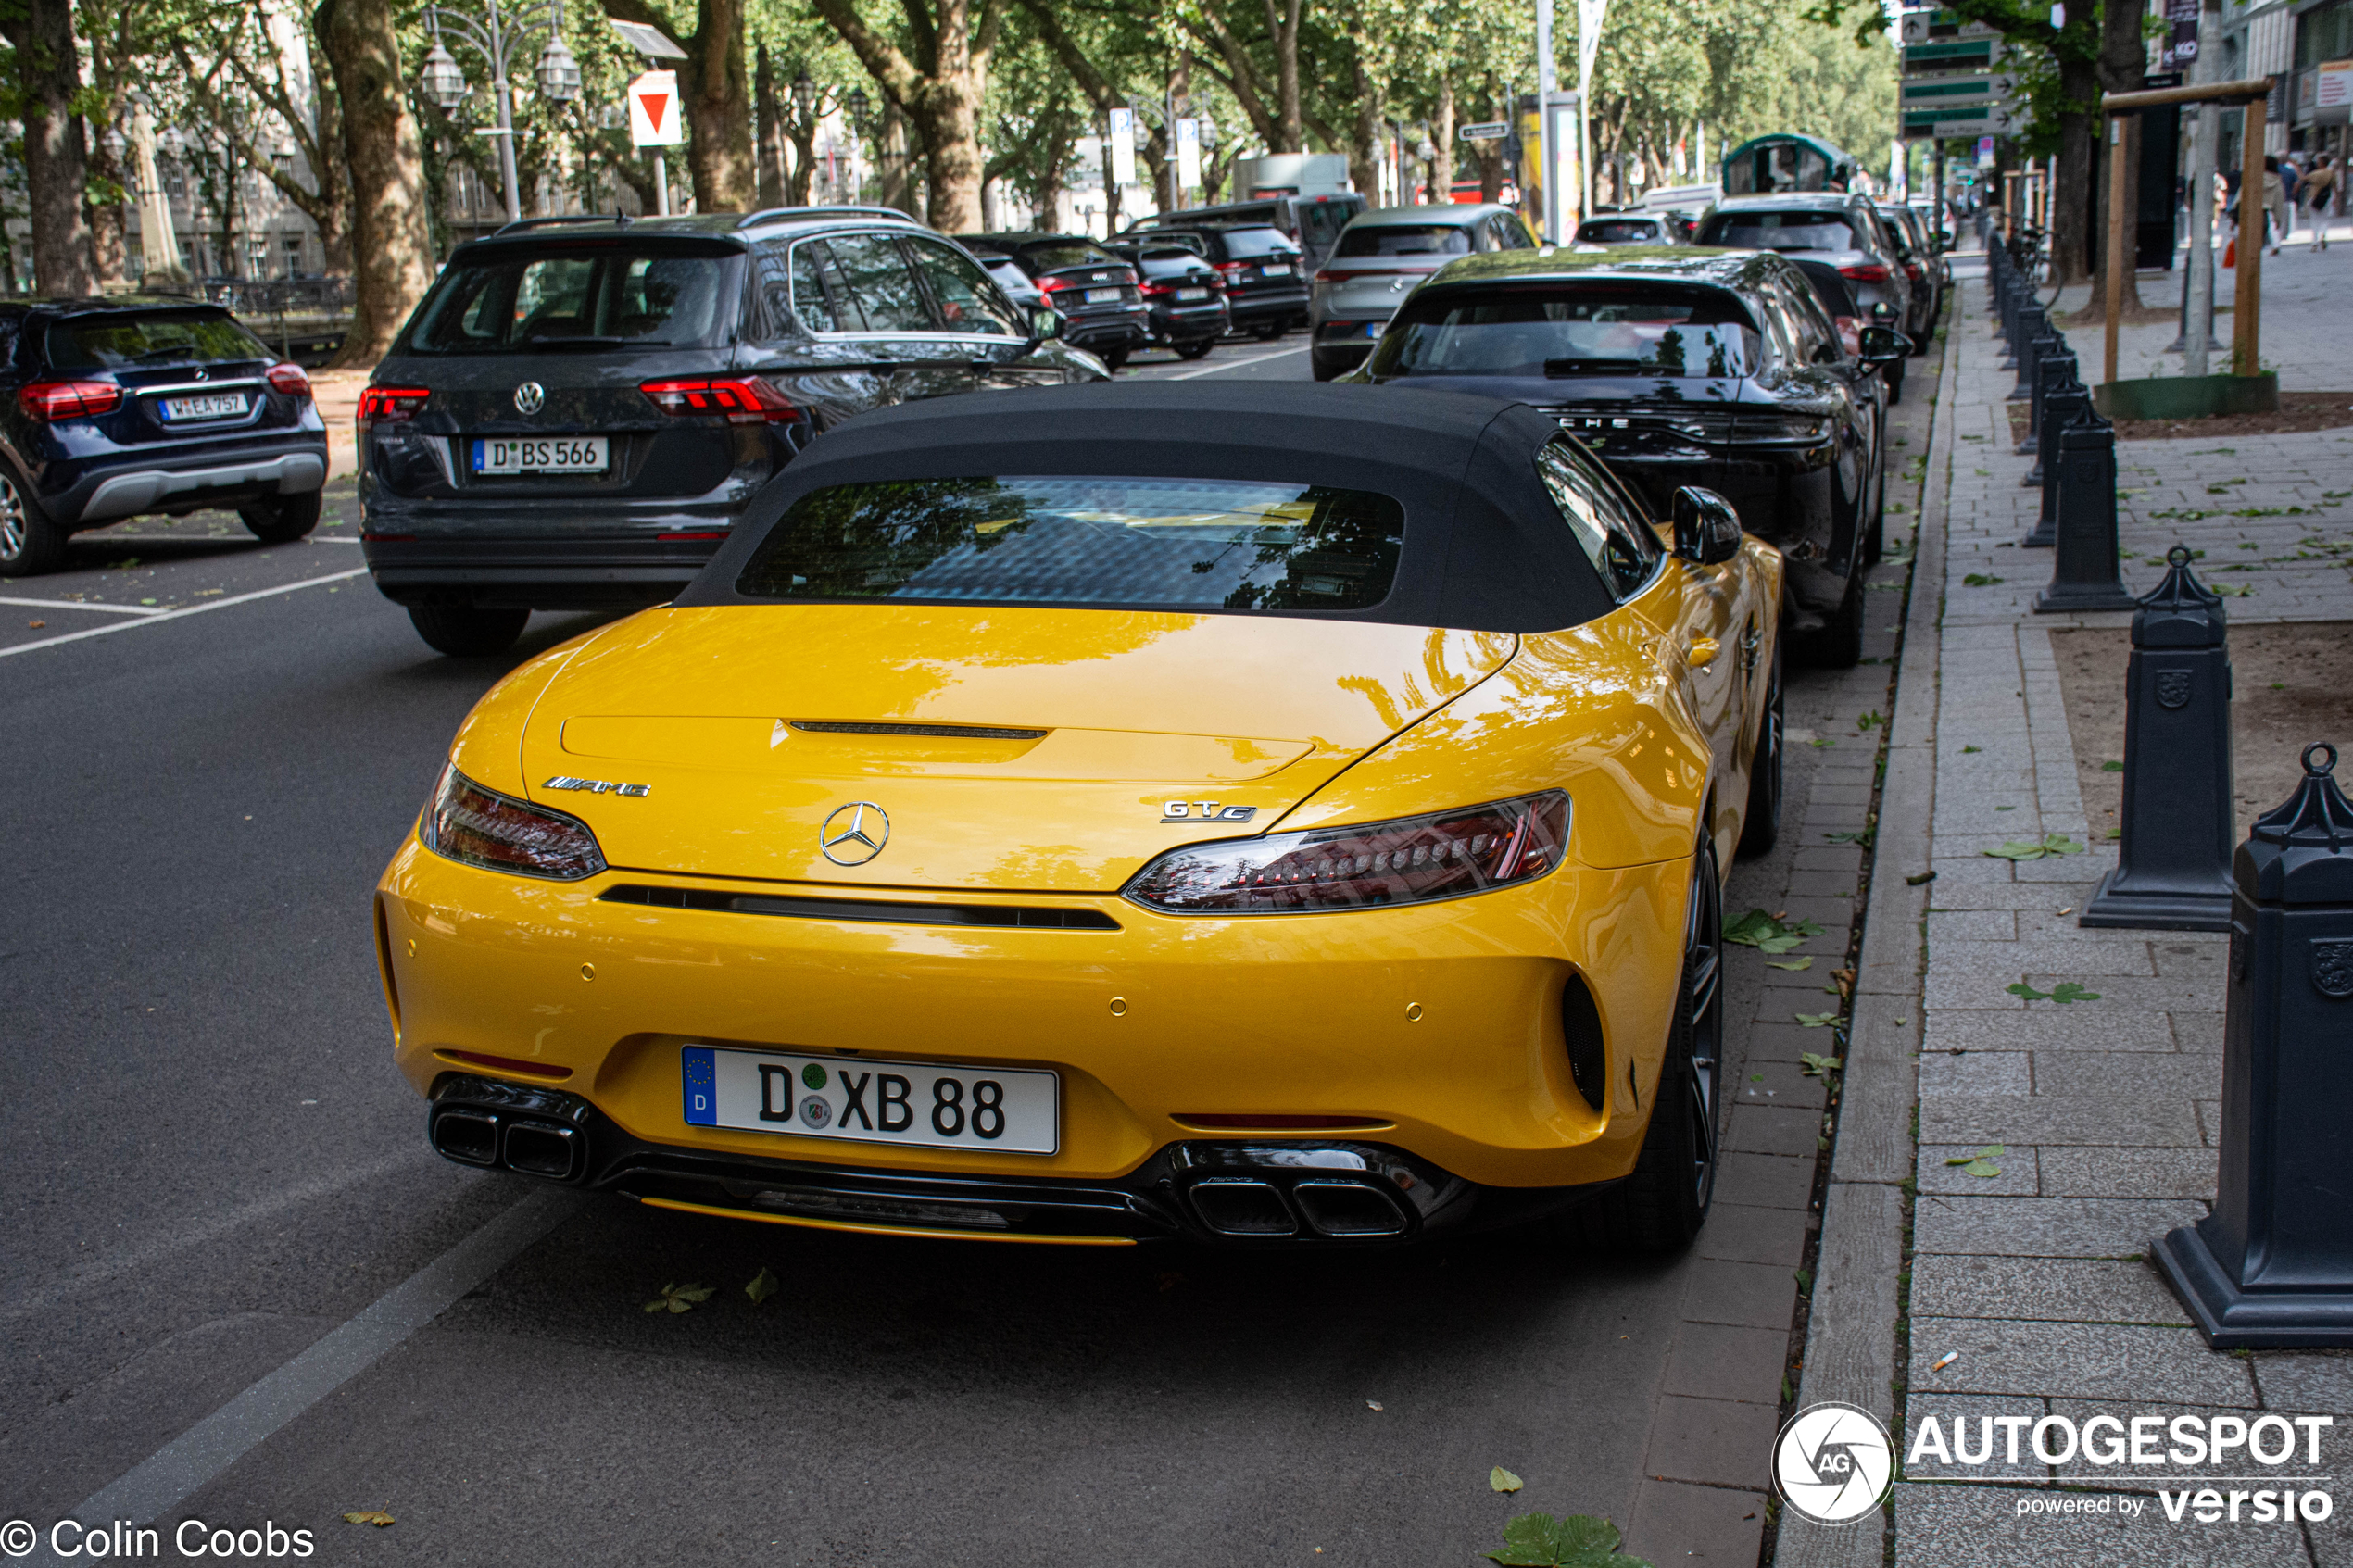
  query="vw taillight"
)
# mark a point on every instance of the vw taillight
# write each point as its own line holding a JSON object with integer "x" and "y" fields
{"x": 746, "y": 400}
{"x": 389, "y": 404}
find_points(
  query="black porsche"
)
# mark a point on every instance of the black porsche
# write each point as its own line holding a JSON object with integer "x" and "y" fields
{"x": 1680, "y": 366}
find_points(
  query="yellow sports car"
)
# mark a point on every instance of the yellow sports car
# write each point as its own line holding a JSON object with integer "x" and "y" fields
{"x": 1254, "y": 813}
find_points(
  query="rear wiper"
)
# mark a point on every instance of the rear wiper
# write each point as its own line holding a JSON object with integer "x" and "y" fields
{"x": 1558, "y": 368}
{"x": 539, "y": 341}
{"x": 180, "y": 353}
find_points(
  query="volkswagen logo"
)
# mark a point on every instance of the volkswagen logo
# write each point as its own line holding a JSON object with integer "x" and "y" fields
{"x": 854, "y": 833}
{"x": 529, "y": 397}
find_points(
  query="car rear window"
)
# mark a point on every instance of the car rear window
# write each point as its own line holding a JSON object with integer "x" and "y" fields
{"x": 627, "y": 293}
{"x": 1618, "y": 232}
{"x": 1782, "y": 230}
{"x": 1082, "y": 541}
{"x": 1052, "y": 254}
{"x": 1406, "y": 239}
{"x": 1572, "y": 329}
{"x": 1258, "y": 242}
{"x": 1319, "y": 221}
{"x": 119, "y": 341}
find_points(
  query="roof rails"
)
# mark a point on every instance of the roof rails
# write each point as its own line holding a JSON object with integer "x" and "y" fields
{"x": 775, "y": 214}
{"x": 616, "y": 216}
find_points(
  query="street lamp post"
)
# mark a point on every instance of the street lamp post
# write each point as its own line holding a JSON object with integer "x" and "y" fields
{"x": 500, "y": 40}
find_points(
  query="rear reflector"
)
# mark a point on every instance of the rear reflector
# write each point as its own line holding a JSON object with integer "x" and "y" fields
{"x": 50, "y": 400}
{"x": 506, "y": 1064}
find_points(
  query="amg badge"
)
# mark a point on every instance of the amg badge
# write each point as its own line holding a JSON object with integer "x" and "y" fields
{"x": 596, "y": 786}
{"x": 1204, "y": 811}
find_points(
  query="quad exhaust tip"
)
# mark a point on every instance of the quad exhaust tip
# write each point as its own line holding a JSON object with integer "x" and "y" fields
{"x": 486, "y": 1139}
{"x": 1244, "y": 1206}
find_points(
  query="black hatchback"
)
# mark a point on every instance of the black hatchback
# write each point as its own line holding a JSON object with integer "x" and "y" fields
{"x": 115, "y": 407}
{"x": 1099, "y": 295}
{"x": 1185, "y": 295}
{"x": 579, "y": 411}
{"x": 1266, "y": 279}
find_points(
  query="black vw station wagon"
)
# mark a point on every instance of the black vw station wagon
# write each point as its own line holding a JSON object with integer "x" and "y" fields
{"x": 581, "y": 409}
{"x": 111, "y": 408}
{"x": 1680, "y": 366}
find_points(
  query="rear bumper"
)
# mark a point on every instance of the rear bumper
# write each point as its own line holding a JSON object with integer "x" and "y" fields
{"x": 1256, "y": 310}
{"x": 1229, "y": 1193}
{"x": 102, "y": 495}
{"x": 538, "y": 573}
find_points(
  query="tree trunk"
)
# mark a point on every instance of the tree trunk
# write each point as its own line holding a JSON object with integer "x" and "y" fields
{"x": 49, "y": 73}
{"x": 328, "y": 170}
{"x": 772, "y": 136}
{"x": 1441, "y": 136}
{"x": 2124, "y": 62}
{"x": 390, "y": 236}
{"x": 802, "y": 175}
{"x": 892, "y": 181}
{"x": 718, "y": 93}
{"x": 1364, "y": 137}
{"x": 109, "y": 231}
{"x": 948, "y": 117}
{"x": 1282, "y": 26}
{"x": 2071, "y": 198}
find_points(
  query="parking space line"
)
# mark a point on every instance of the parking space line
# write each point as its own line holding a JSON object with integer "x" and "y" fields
{"x": 191, "y": 610}
{"x": 179, "y": 1469}
{"x": 76, "y": 604}
{"x": 1233, "y": 364}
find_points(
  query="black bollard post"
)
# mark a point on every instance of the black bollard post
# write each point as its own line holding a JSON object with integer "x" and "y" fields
{"x": 2062, "y": 405}
{"x": 2173, "y": 866}
{"x": 2034, "y": 340}
{"x": 2272, "y": 1265}
{"x": 2084, "y": 575}
{"x": 2014, "y": 302}
{"x": 2048, "y": 348}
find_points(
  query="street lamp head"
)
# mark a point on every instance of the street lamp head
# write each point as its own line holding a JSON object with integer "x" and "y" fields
{"x": 173, "y": 141}
{"x": 1425, "y": 151}
{"x": 441, "y": 79}
{"x": 858, "y": 103}
{"x": 115, "y": 142}
{"x": 804, "y": 93}
{"x": 559, "y": 73}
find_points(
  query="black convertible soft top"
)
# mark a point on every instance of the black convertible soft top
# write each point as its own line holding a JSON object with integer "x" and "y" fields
{"x": 1485, "y": 549}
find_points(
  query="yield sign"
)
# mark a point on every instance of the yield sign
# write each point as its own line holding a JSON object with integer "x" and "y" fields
{"x": 654, "y": 120}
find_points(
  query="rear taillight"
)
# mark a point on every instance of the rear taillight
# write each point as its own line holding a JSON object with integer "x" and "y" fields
{"x": 290, "y": 379}
{"x": 1151, "y": 289}
{"x": 49, "y": 400}
{"x": 1912, "y": 270}
{"x": 389, "y": 404}
{"x": 1446, "y": 855}
{"x": 1048, "y": 285}
{"x": 1865, "y": 272}
{"x": 480, "y": 827}
{"x": 746, "y": 400}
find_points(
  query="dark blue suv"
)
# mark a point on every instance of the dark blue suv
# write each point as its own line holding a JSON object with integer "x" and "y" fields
{"x": 114, "y": 408}
{"x": 580, "y": 409}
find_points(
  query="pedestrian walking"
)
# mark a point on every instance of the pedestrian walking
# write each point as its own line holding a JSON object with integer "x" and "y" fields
{"x": 2274, "y": 204}
{"x": 2320, "y": 192}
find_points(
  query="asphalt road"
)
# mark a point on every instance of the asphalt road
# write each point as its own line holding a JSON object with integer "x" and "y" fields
{"x": 215, "y": 1183}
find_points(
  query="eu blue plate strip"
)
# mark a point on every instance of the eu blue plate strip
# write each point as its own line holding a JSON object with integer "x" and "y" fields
{"x": 701, "y": 1087}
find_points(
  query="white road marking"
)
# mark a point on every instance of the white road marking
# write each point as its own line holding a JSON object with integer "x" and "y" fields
{"x": 76, "y": 604}
{"x": 205, "y": 539}
{"x": 199, "y": 1455}
{"x": 1235, "y": 364}
{"x": 192, "y": 609}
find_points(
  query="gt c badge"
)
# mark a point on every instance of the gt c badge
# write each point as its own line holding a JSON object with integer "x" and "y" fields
{"x": 855, "y": 833}
{"x": 596, "y": 786}
{"x": 1204, "y": 811}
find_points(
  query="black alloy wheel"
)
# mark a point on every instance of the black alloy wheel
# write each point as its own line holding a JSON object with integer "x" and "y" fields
{"x": 1197, "y": 350}
{"x": 1662, "y": 1205}
{"x": 284, "y": 521}
{"x": 1268, "y": 332}
{"x": 1761, "y": 824}
{"x": 1114, "y": 359}
{"x": 467, "y": 630}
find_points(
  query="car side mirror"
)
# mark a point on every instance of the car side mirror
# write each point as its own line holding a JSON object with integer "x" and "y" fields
{"x": 1707, "y": 531}
{"x": 1045, "y": 323}
{"x": 1884, "y": 346}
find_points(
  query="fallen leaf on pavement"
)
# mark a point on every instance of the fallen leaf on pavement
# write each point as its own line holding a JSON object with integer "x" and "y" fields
{"x": 1788, "y": 963}
{"x": 1539, "y": 1540}
{"x": 679, "y": 1299}
{"x": 763, "y": 1286}
{"x": 1503, "y": 1480}
{"x": 1920, "y": 881}
{"x": 35, "y": 625}
{"x": 1819, "y": 1066}
{"x": 375, "y": 1516}
{"x": 1817, "y": 1020}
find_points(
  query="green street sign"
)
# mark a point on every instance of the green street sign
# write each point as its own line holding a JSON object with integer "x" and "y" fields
{"x": 1943, "y": 92}
{"x": 1953, "y": 55}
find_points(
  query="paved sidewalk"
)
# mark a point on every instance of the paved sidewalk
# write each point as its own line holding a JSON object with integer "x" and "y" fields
{"x": 2306, "y": 333}
{"x": 2031, "y": 1285}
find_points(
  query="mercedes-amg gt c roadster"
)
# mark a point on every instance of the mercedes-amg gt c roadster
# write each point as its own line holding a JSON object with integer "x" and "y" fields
{"x": 1258, "y": 814}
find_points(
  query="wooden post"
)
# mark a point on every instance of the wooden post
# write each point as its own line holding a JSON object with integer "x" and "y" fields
{"x": 2116, "y": 203}
{"x": 2246, "y": 321}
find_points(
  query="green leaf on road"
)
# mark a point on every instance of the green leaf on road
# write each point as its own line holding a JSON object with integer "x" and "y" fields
{"x": 1819, "y": 1066}
{"x": 2035, "y": 849}
{"x": 1972, "y": 750}
{"x": 1862, "y": 836}
{"x": 1503, "y": 1480}
{"x": 1762, "y": 931}
{"x": 2111, "y": 767}
{"x": 1788, "y": 963}
{"x": 680, "y": 1298}
{"x": 1539, "y": 1540}
{"x": 1817, "y": 1020}
{"x": 1981, "y": 1168}
{"x": 2068, "y": 991}
{"x": 763, "y": 1286}
{"x": 1982, "y": 1163}
{"x": 1980, "y": 579}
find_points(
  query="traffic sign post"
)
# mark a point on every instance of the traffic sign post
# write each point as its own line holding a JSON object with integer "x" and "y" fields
{"x": 654, "y": 121}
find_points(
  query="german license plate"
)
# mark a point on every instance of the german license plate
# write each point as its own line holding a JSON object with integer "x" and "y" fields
{"x": 216, "y": 406}
{"x": 1192, "y": 293}
{"x": 559, "y": 454}
{"x": 1101, "y": 296}
{"x": 864, "y": 1100}
{"x": 1274, "y": 271}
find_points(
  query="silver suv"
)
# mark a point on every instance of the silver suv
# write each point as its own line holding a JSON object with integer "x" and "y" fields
{"x": 1834, "y": 226}
{"x": 1377, "y": 260}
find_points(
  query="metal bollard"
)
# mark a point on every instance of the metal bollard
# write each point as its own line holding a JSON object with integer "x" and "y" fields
{"x": 2272, "y": 1265}
{"x": 2047, "y": 349}
{"x": 2062, "y": 405}
{"x": 2013, "y": 304}
{"x": 2174, "y": 867}
{"x": 2084, "y": 573}
{"x": 2034, "y": 340}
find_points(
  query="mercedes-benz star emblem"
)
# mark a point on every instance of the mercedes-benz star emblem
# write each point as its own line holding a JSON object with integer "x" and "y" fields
{"x": 854, "y": 833}
{"x": 529, "y": 397}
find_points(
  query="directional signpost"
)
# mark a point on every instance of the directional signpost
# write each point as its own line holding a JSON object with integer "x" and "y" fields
{"x": 1954, "y": 84}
